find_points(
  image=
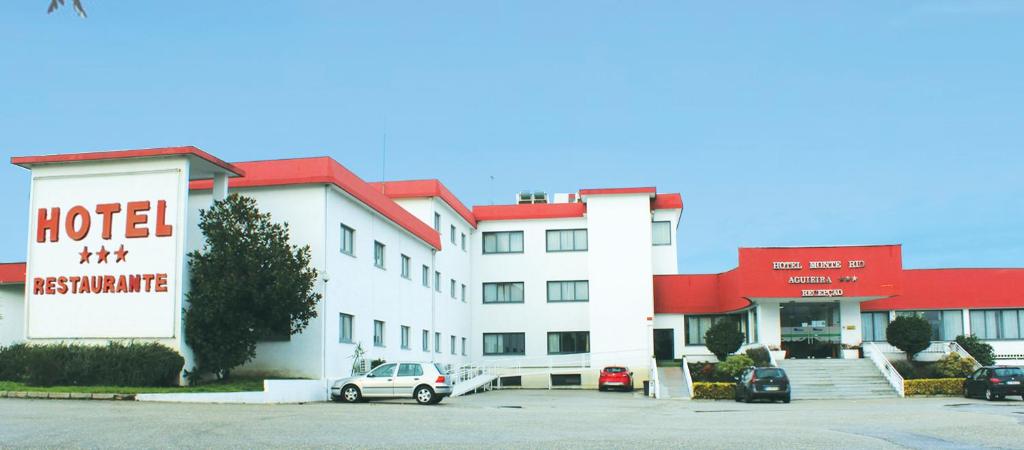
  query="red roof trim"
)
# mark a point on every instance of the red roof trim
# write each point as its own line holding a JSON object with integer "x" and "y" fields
{"x": 25, "y": 161}
{"x": 325, "y": 170}
{"x": 12, "y": 273}
{"x": 425, "y": 188}
{"x": 618, "y": 191}
{"x": 696, "y": 294}
{"x": 954, "y": 289}
{"x": 667, "y": 201}
{"x": 529, "y": 211}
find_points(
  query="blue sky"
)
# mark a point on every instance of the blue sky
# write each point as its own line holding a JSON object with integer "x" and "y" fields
{"x": 781, "y": 123}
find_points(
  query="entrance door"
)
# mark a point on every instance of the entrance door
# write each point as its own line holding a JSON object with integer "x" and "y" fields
{"x": 810, "y": 330}
{"x": 664, "y": 343}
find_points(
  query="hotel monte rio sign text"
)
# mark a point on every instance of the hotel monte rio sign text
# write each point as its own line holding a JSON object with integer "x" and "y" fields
{"x": 823, "y": 273}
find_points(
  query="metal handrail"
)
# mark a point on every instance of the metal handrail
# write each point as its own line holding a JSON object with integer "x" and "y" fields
{"x": 884, "y": 366}
{"x": 654, "y": 389}
{"x": 955, "y": 347}
{"x": 687, "y": 378}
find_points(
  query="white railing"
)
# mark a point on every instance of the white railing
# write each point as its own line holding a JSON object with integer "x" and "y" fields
{"x": 882, "y": 363}
{"x": 510, "y": 367}
{"x": 955, "y": 347}
{"x": 654, "y": 387}
{"x": 687, "y": 378}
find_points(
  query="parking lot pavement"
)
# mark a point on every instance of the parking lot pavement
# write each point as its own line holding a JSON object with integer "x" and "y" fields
{"x": 520, "y": 418}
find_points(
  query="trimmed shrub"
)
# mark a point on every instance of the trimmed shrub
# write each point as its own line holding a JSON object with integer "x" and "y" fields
{"x": 723, "y": 338}
{"x": 910, "y": 334}
{"x": 954, "y": 366}
{"x": 115, "y": 364}
{"x": 981, "y": 351}
{"x": 703, "y": 371}
{"x": 714, "y": 391}
{"x": 760, "y": 356}
{"x": 733, "y": 366}
{"x": 376, "y": 362}
{"x": 934, "y": 386}
{"x": 911, "y": 370}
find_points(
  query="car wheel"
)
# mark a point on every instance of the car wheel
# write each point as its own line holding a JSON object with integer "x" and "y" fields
{"x": 600, "y": 388}
{"x": 967, "y": 393}
{"x": 424, "y": 395}
{"x": 746, "y": 398}
{"x": 989, "y": 395}
{"x": 785, "y": 399}
{"x": 351, "y": 394}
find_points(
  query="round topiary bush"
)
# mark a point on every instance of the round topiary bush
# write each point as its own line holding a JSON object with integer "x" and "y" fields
{"x": 910, "y": 334}
{"x": 723, "y": 338}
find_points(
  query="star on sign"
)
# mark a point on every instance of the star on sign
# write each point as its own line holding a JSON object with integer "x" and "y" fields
{"x": 101, "y": 256}
{"x": 85, "y": 254}
{"x": 121, "y": 254}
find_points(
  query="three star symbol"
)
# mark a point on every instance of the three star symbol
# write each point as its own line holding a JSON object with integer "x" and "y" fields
{"x": 85, "y": 256}
{"x": 101, "y": 256}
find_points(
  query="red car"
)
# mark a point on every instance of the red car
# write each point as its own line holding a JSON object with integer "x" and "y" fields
{"x": 615, "y": 377}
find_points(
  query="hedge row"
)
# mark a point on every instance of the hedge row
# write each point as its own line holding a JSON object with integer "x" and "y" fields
{"x": 714, "y": 391}
{"x": 114, "y": 364}
{"x": 934, "y": 386}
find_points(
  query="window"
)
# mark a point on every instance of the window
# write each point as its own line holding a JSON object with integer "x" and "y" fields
{"x": 437, "y": 281}
{"x": 453, "y": 234}
{"x": 946, "y": 325}
{"x": 437, "y": 222}
{"x": 463, "y": 241}
{"x": 453, "y": 288}
{"x": 453, "y": 344}
{"x": 661, "y": 233}
{"x": 426, "y": 341}
{"x": 697, "y": 326}
{"x": 378, "y": 333}
{"x": 378, "y": 254}
{"x": 562, "y": 342}
{"x": 503, "y": 292}
{"x": 405, "y": 337}
{"x": 410, "y": 370}
{"x": 345, "y": 328}
{"x": 426, "y": 276}
{"x": 463, "y": 293}
{"x": 996, "y": 324}
{"x": 567, "y": 240}
{"x": 504, "y": 343}
{"x": 383, "y": 371}
{"x": 503, "y": 242}
{"x": 437, "y": 342}
{"x": 568, "y": 291}
{"x": 348, "y": 240}
{"x": 566, "y": 379}
{"x": 405, "y": 266}
{"x": 873, "y": 325}
{"x": 463, "y": 346}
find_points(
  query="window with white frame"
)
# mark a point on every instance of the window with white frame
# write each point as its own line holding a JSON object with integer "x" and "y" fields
{"x": 345, "y": 328}
{"x": 463, "y": 293}
{"x": 567, "y": 240}
{"x": 453, "y": 287}
{"x": 509, "y": 292}
{"x": 426, "y": 276}
{"x": 568, "y": 291}
{"x": 946, "y": 325}
{"x": 503, "y": 242}
{"x": 405, "y": 337}
{"x": 406, "y": 261}
{"x": 463, "y": 346}
{"x": 453, "y": 234}
{"x": 453, "y": 344}
{"x": 463, "y": 239}
{"x": 437, "y": 222}
{"x": 873, "y": 325}
{"x": 504, "y": 343}
{"x": 661, "y": 233}
{"x": 378, "y": 254}
{"x": 437, "y": 281}
{"x": 437, "y": 342}
{"x": 378, "y": 333}
{"x": 426, "y": 341}
{"x": 997, "y": 324}
{"x": 348, "y": 241}
{"x": 565, "y": 342}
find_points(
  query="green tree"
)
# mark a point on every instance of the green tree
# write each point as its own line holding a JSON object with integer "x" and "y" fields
{"x": 248, "y": 283}
{"x": 723, "y": 338}
{"x": 977, "y": 348}
{"x": 910, "y": 334}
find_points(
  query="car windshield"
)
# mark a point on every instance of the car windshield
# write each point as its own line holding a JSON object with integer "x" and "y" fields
{"x": 614, "y": 369}
{"x": 769, "y": 373}
{"x": 1009, "y": 372}
{"x": 440, "y": 369}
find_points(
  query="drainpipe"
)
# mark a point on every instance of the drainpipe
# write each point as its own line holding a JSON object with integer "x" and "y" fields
{"x": 323, "y": 300}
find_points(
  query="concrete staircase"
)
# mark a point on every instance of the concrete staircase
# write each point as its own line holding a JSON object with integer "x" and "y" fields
{"x": 836, "y": 379}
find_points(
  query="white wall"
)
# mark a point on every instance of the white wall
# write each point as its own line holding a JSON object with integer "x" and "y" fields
{"x": 665, "y": 258}
{"x": 12, "y": 314}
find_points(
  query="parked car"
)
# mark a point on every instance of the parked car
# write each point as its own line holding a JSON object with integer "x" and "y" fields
{"x": 425, "y": 382}
{"x": 763, "y": 382}
{"x": 995, "y": 382}
{"x": 615, "y": 377}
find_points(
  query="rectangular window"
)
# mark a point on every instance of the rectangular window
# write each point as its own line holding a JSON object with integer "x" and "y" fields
{"x": 378, "y": 254}
{"x": 697, "y": 326}
{"x": 873, "y": 325}
{"x": 437, "y": 222}
{"x": 426, "y": 276}
{"x": 437, "y": 342}
{"x": 567, "y": 379}
{"x": 405, "y": 337}
{"x": 345, "y": 328}
{"x": 453, "y": 344}
{"x": 348, "y": 240}
{"x": 503, "y": 292}
{"x": 463, "y": 241}
{"x": 661, "y": 233}
{"x": 453, "y": 234}
{"x": 946, "y": 325}
{"x": 463, "y": 293}
{"x": 453, "y": 288}
{"x": 504, "y": 343}
{"x": 405, "y": 266}
{"x": 426, "y": 341}
{"x": 503, "y": 242}
{"x": 563, "y": 342}
{"x": 568, "y": 291}
{"x": 437, "y": 281}
{"x": 463, "y": 346}
{"x": 567, "y": 240}
{"x": 378, "y": 333}
{"x": 996, "y": 324}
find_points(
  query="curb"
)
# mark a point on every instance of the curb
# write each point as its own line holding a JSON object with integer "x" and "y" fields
{"x": 65, "y": 395}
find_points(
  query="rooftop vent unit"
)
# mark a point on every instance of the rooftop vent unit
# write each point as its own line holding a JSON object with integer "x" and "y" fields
{"x": 526, "y": 197}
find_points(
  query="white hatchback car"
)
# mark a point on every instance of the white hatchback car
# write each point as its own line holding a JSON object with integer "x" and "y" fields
{"x": 425, "y": 382}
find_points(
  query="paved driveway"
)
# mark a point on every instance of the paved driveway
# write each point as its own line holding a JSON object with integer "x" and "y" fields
{"x": 520, "y": 419}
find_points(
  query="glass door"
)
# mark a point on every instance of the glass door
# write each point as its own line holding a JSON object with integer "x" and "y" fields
{"x": 810, "y": 330}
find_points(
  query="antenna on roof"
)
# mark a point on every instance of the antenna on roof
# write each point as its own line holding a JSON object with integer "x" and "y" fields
{"x": 383, "y": 160}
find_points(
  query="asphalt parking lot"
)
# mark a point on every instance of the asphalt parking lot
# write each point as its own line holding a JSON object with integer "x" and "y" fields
{"x": 524, "y": 418}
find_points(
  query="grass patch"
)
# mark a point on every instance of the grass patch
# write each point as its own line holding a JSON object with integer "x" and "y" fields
{"x": 230, "y": 385}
